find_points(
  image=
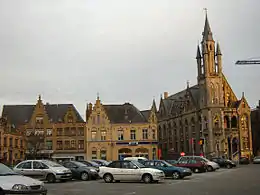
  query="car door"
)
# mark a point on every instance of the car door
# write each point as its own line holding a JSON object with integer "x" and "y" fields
{"x": 129, "y": 171}
{"x": 115, "y": 169}
{"x": 161, "y": 166}
{"x": 26, "y": 169}
{"x": 37, "y": 170}
{"x": 184, "y": 163}
{"x": 71, "y": 166}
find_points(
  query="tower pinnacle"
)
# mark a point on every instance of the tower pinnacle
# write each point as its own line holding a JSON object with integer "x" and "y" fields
{"x": 207, "y": 34}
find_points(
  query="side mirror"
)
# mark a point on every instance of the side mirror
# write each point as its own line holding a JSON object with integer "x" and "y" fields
{"x": 75, "y": 167}
{"x": 135, "y": 167}
{"x": 42, "y": 167}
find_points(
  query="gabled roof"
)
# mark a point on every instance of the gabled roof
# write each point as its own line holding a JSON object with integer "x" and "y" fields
{"x": 175, "y": 101}
{"x": 21, "y": 114}
{"x": 124, "y": 113}
{"x": 146, "y": 114}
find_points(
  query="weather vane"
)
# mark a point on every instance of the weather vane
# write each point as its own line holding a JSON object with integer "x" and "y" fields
{"x": 206, "y": 10}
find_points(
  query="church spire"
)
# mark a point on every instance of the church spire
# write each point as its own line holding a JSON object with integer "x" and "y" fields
{"x": 207, "y": 34}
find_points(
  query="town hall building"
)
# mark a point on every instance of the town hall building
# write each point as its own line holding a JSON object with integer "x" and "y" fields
{"x": 207, "y": 118}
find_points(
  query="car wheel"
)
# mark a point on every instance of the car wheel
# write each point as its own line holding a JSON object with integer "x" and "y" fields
{"x": 108, "y": 178}
{"x": 147, "y": 178}
{"x": 84, "y": 176}
{"x": 210, "y": 168}
{"x": 176, "y": 175}
{"x": 50, "y": 178}
{"x": 196, "y": 170}
{"x": 229, "y": 166}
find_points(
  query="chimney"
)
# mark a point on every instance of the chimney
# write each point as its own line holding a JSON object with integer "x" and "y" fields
{"x": 165, "y": 94}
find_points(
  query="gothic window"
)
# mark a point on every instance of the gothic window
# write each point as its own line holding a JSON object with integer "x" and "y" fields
{"x": 245, "y": 132}
{"x": 212, "y": 93}
{"x": 181, "y": 137}
{"x": 234, "y": 122}
{"x": 187, "y": 134}
{"x": 205, "y": 122}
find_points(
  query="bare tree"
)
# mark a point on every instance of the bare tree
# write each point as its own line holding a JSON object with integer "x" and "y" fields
{"x": 35, "y": 143}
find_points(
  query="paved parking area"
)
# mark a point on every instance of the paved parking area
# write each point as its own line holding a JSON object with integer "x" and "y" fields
{"x": 242, "y": 180}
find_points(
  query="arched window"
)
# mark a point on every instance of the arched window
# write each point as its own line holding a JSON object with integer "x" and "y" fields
{"x": 103, "y": 154}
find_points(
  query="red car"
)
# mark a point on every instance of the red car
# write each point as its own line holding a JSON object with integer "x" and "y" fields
{"x": 195, "y": 165}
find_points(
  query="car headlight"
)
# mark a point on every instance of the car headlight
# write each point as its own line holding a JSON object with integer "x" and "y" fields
{"x": 19, "y": 187}
{"x": 93, "y": 170}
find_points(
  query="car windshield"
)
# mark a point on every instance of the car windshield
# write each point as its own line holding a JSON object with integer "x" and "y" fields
{"x": 4, "y": 170}
{"x": 51, "y": 163}
{"x": 166, "y": 163}
{"x": 138, "y": 164}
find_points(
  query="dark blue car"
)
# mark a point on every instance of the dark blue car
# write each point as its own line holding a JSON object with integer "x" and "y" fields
{"x": 168, "y": 169}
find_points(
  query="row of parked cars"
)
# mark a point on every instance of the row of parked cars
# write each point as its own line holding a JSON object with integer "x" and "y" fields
{"x": 27, "y": 176}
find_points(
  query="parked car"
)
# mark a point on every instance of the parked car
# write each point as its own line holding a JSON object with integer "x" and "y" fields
{"x": 81, "y": 171}
{"x": 90, "y": 164}
{"x": 43, "y": 170}
{"x": 211, "y": 166}
{"x": 100, "y": 162}
{"x": 129, "y": 171}
{"x": 256, "y": 160}
{"x": 197, "y": 166}
{"x": 13, "y": 183}
{"x": 168, "y": 169}
{"x": 243, "y": 160}
{"x": 222, "y": 162}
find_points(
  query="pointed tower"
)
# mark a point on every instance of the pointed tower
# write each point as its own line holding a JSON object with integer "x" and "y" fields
{"x": 199, "y": 64}
{"x": 218, "y": 60}
{"x": 209, "y": 62}
{"x": 208, "y": 49}
{"x": 153, "y": 108}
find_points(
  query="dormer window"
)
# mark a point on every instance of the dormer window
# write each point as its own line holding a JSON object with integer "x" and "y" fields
{"x": 39, "y": 120}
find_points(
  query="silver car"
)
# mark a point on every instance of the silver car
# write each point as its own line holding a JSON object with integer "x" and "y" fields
{"x": 256, "y": 160}
{"x": 43, "y": 170}
{"x": 13, "y": 183}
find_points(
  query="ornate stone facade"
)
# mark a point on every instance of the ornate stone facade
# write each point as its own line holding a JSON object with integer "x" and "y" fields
{"x": 208, "y": 111}
{"x": 51, "y": 130}
{"x": 120, "y": 130}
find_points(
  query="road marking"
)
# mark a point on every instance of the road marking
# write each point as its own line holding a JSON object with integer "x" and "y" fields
{"x": 130, "y": 193}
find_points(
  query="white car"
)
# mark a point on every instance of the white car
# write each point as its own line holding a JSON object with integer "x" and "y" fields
{"x": 43, "y": 170}
{"x": 129, "y": 171}
{"x": 13, "y": 183}
{"x": 211, "y": 166}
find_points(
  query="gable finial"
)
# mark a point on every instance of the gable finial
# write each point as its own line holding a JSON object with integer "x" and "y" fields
{"x": 243, "y": 94}
{"x": 97, "y": 95}
{"x": 188, "y": 83}
{"x": 39, "y": 98}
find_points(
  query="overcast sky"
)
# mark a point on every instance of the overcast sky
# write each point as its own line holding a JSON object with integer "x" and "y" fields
{"x": 127, "y": 50}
